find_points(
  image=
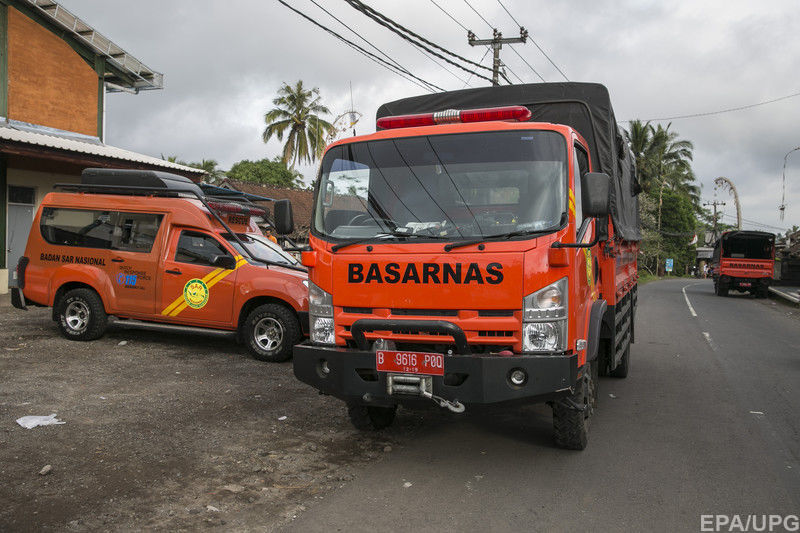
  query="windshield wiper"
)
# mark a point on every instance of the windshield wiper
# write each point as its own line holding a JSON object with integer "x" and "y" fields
{"x": 395, "y": 233}
{"x": 480, "y": 240}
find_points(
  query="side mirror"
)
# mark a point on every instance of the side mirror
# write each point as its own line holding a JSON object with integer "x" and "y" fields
{"x": 594, "y": 194}
{"x": 284, "y": 220}
{"x": 224, "y": 261}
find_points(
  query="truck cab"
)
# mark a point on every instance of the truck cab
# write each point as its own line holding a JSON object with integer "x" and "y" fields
{"x": 467, "y": 257}
{"x": 154, "y": 247}
{"x": 744, "y": 261}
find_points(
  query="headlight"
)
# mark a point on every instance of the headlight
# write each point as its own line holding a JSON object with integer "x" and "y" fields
{"x": 322, "y": 330}
{"x": 544, "y": 317}
{"x": 320, "y": 311}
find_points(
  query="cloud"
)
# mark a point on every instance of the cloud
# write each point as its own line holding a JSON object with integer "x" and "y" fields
{"x": 223, "y": 63}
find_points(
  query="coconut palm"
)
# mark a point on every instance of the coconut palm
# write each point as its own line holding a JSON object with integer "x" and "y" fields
{"x": 297, "y": 116}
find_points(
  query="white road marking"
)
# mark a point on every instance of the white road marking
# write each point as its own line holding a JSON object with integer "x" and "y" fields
{"x": 709, "y": 341}
{"x": 691, "y": 309}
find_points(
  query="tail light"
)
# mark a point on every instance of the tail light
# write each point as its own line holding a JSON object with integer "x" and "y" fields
{"x": 22, "y": 265}
{"x": 518, "y": 113}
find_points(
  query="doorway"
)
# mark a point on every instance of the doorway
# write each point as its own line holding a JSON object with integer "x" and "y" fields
{"x": 21, "y": 204}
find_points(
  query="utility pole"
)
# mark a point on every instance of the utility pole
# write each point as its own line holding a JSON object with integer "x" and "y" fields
{"x": 496, "y": 42}
{"x": 714, "y": 204}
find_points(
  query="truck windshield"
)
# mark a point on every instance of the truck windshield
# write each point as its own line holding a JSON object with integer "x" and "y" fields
{"x": 456, "y": 186}
{"x": 744, "y": 246}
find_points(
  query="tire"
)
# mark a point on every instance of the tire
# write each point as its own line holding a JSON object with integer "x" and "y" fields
{"x": 270, "y": 332}
{"x": 371, "y": 418}
{"x": 622, "y": 368}
{"x": 570, "y": 426}
{"x": 81, "y": 315}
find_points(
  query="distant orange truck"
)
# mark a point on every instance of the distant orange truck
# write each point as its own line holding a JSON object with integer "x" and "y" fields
{"x": 744, "y": 261}
{"x": 155, "y": 247}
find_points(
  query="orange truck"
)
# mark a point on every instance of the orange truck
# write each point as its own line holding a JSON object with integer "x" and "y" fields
{"x": 744, "y": 261}
{"x": 480, "y": 248}
{"x": 155, "y": 247}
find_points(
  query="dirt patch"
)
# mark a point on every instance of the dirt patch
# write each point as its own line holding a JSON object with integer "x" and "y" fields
{"x": 167, "y": 431}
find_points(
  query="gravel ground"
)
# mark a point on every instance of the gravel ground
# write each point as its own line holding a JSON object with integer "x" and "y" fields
{"x": 164, "y": 431}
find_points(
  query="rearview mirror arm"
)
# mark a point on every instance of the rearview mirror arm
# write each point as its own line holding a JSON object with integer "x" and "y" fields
{"x": 581, "y": 232}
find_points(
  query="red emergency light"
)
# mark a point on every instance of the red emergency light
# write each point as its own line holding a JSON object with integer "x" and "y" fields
{"x": 450, "y": 116}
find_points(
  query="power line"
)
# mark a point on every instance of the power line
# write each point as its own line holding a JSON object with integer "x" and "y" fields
{"x": 534, "y": 42}
{"x": 529, "y": 65}
{"x": 755, "y": 223}
{"x": 449, "y": 15}
{"x": 481, "y": 61}
{"x": 337, "y": 19}
{"x": 729, "y": 110}
{"x": 405, "y": 32}
{"x": 384, "y": 54}
{"x": 509, "y": 13}
{"x": 521, "y": 30}
{"x": 367, "y": 53}
{"x": 481, "y": 16}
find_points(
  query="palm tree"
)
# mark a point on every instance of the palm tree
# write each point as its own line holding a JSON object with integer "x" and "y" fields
{"x": 213, "y": 174}
{"x": 297, "y": 115}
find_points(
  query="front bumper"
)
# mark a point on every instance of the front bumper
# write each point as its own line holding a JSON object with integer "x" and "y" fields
{"x": 469, "y": 379}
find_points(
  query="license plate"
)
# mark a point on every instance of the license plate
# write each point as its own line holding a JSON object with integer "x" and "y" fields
{"x": 431, "y": 364}
{"x": 745, "y": 284}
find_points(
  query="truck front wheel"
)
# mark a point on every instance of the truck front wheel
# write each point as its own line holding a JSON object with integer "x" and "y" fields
{"x": 81, "y": 315}
{"x": 571, "y": 415}
{"x": 270, "y": 331}
{"x": 371, "y": 417}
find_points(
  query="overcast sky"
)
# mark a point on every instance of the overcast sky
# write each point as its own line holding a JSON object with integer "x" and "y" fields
{"x": 224, "y": 61}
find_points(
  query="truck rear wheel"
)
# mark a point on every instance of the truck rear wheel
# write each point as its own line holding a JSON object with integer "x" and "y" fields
{"x": 270, "y": 332}
{"x": 81, "y": 315}
{"x": 571, "y": 416}
{"x": 371, "y": 417}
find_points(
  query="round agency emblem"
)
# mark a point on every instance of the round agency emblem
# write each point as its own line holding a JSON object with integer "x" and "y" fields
{"x": 195, "y": 293}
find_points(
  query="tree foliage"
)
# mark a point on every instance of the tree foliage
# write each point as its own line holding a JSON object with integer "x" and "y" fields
{"x": 296, "y": 116}
{"x": 670, "y": 194}
{"x": 270, "y": 172}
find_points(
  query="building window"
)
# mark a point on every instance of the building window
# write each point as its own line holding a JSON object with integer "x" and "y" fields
{"x": 21, "y": 195}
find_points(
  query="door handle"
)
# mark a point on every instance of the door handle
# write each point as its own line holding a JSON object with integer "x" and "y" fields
{"x": 117, "y": 260}
{"x": 176, "y": 272}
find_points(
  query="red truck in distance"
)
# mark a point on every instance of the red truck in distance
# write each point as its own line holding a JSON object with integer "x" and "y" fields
{"x": 744, "y": 261}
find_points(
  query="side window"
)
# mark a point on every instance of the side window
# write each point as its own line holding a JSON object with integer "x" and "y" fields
{"x": 198, "y": 248}
{"x": 136, "y": 232}
{"x": 581, "y": 163}
{"x": 77, "y": 227}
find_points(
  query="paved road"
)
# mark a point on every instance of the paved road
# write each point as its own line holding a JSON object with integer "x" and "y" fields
{"x": 683, "y": 437}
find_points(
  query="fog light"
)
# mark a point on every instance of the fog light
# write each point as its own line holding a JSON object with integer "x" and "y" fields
{"x": 518, "y": 377}
{"x": 323, "y": 366}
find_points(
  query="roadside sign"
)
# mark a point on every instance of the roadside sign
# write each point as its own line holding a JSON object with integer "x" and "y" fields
{"x": 669, "y": 265}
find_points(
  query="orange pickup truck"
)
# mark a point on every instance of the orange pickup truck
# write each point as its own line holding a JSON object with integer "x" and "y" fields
{"x": 154, "y": 247}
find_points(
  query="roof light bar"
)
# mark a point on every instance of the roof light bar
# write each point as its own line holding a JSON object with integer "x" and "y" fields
{"x": 518, "y": 113}
{"x": 224, "y": 207}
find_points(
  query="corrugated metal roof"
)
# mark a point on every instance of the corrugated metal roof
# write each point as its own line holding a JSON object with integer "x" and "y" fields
{"x": 84, "y": 145}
